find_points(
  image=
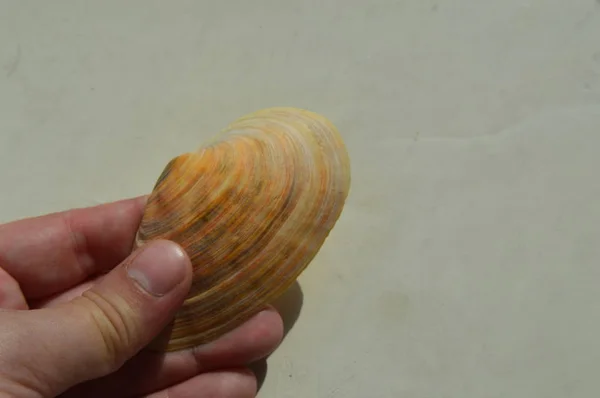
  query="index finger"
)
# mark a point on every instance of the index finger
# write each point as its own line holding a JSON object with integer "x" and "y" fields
{"x": 51, "y": 253}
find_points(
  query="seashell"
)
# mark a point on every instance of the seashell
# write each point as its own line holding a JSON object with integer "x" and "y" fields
{"x": 251, "y": 208}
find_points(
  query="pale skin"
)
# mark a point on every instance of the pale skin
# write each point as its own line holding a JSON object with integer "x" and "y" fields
{"x": 76, "y": 314}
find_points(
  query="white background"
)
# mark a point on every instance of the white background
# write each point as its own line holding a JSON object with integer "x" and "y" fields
{"x": 466, "y": 261}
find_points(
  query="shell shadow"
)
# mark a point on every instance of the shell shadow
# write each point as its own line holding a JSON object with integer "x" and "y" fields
{"x": 289, "y": 306}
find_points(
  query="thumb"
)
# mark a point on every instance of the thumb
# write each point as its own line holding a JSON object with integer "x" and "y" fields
{"x": 53, "y": 349}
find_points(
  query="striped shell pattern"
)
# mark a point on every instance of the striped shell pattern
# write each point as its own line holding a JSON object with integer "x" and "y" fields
{"x": 251, "y": 208}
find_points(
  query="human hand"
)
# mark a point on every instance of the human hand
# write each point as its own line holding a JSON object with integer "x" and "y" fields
{"x": 75, "y": 318}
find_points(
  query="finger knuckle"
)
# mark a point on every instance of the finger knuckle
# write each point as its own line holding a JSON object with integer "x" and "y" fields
{"x": 115, "y": 331}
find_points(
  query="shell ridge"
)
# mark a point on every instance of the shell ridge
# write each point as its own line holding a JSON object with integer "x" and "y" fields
{"x": 252, "y": 207}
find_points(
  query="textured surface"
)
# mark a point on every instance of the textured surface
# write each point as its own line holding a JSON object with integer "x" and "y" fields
{"x": 466, "y": 261}
{"x": 252, "y": 208}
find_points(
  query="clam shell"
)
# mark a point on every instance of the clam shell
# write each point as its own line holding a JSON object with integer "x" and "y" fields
{"x": 251, "y": 208}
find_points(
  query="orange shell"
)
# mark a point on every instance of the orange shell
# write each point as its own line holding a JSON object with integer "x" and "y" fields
{"x": 251, "y": 208}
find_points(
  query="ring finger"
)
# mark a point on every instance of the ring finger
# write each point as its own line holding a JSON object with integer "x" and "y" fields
{"x": 235, "y": 383}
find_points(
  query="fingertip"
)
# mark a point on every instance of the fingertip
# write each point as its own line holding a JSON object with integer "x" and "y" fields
{"x": 269, "y": 328}
{"x": 255, "y": 339}
{"x": 160, "y": 267}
